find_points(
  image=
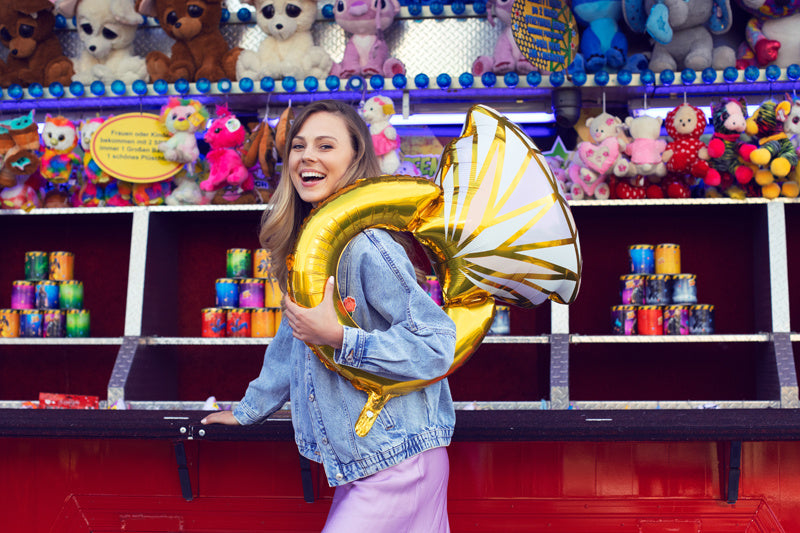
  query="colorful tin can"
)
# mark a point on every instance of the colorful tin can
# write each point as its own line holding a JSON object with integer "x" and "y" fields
{"x": 272, "y": 293}
{"x": 30, "y": 323}
{"x": 684, "y": 289}
{"x": 668, "y": 259}
{"x": 650, "y": 320}
{"x": 262, "y": 322}
{"x": 502, "y": 321}
{"x": 214, "y": 322}
{"x": 62, "y": 265}
{"x": 37, "y": 265}
{"x": 251, "y": 292}
{"x": 238, "y": 322}
{"x": 701, "y": 319}
{"x": 23, "y": 295}
{"x": 623, "y": 320}
{"x": 240, "y": 263}
{"x": 70, "y": 295}
{"x": 227, "y": 292}
{"x": 278, "y": 318}
{"x": 55, "y": 323}
{"x": 433, "y": 289}
{"x": 47, "y": 294}
{"x": 658, "y": 290}
{"x": 631, "y": 288}
{"x": 77, "y": 323}
{"x": 642, "y": 259}
{"x": 261, "y": 263}
{"x": 9, "y": 323}
{"x": 676, "y": 320}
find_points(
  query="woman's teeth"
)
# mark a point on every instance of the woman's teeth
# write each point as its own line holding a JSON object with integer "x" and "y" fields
{"x": 312, "y": 176}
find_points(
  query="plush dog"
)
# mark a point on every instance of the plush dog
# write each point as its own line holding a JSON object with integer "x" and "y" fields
{"x": 366, "y": 52}
{"x": 200, "y": 50}
{"x": 288, "y": 48}
{"x": 35, "y": 54}
{"x": 107, "y": 29}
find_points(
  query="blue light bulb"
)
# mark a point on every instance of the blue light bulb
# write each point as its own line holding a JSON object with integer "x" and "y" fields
{"x": 511, "y": 79}
{"x": 557, "y": 79}
{"x": 688, "y": 76}
{"x": 624, "y": 77}
{"x": 76, "y": 88}
{"x": 159, "y": 86}
{"x": 36, "y": 90}
{"x": 399, "y": 81}
{"x": 98, "y": 88}
{"x": 376, "y": 82}
{"x": 224, "y": 85}
{"x": 246, "y": 85}
{"x": 267, "y": 84}
{"x": 421, "y": 81}
{"x": 466, "y": 80}
{"x": 488, "y": 79}
{"x": 182, "y": 86}
{"x": 730, "y": 74}
{"x": 534, "y": 78}
{"x": 56, "y": 89}
{"x": 139, "y": 87}
{"x": 203, "y": 85}
{"x": 443, "y": 81}
{"x": 333, "y": 83}
{"x": 311, "y": 84}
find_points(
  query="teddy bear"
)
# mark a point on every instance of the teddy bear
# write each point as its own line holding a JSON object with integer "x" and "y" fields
{"x": 182, "y": 119}
{"x": 507, "y": 55}
{"x": 771, "y": 35}
{"x": 775, "y": 153}
{"x": 646, "y": 150}
{"x": 226, "y": 136}
{"x": 288, "y": 48}
{"x": 686, "y": 153}
{"x": 682, "y": 30}
{"x": 376, "y": 112}
{"x": 726, "y": 149}
{"x": 366, "y": 52}
{"x": 35, "y": 53}
{"x": 200, "y": 50}
{"x": 598, "y": 159}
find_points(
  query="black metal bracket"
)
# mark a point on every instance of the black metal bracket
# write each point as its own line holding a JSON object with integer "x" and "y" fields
{"x": 733, "y": 471}
{"x": 183, "y": 472}
{"x": 305, "y": 477}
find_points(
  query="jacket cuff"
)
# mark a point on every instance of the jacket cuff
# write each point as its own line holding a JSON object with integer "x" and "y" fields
{"x": 352, "y": 348}
{"x": 243, "y": 414}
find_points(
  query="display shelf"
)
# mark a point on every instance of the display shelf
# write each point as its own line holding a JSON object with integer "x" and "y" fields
{"x": 667, "y": 339}
{"x": 61, "y": 341}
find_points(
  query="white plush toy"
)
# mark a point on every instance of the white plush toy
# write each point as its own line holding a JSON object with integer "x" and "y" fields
{"x": 288, "y": 48}
{"x": 376, "y": 113}
{"x": 107, "y": 29}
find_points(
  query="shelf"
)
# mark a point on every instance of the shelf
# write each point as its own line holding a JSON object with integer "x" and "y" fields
{"x": 667, "y": 339}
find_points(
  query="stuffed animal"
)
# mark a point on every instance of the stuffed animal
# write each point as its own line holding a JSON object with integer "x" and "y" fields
{"x": 646, "y": 150}
{"x": 35, "y": 53}
{"x": 376, "y": 112}
{"x": 17, "y": 165}
{"x": 200, "y": 50}
{"x": 98, "y": 188}
{"x": 683, "y": 30}
{"x": 507, "y": 55}
{"x": 182, "y": 119}
{"x": 260, "y": 153}
{"x": 366, "y": 52}
{"x": 598, "y": 159}
{"x": 771, "y": 35}
{"x": 686, "y": 153}
{"x": 775, "y": 153}
{"x": 107, "y": 29}
{"x": 187, "y": 187}
{"x": 59, "y": 139}
{"x": 226, "y": 135}
{"x": 791, "y": 125}
{"x": 288, "y": 48}
{"x": 726, "y": 150}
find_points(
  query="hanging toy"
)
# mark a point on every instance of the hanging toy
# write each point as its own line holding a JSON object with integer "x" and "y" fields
{"x": 18, "y": 188}
{"x": 775, "y": 153}
{"x": 98, "y": 187}
{"x": 726, "y": 150}
{"x": 226, "y": 137}
{"x": 59, "y": 160}
{"x": 376, "y": 112}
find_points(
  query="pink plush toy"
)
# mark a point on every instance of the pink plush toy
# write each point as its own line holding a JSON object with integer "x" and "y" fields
{"x": 226, "y": 136}
{"x": 507, "y": 56}
{"x": 366, "y": 53}
{"x": 598, "y": 159}
{"x": 647, "y": 149}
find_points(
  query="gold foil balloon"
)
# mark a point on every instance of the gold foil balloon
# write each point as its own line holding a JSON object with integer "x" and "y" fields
{"x": 496, "y": 226}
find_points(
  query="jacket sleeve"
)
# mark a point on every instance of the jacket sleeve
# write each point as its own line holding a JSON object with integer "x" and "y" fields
{"x": 406, "y": 335}
{"x": 270, "y": 390}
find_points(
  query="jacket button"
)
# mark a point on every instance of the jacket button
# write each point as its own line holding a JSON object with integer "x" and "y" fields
{"x": 339, "y": 477}
{"x": 325, "y": 440}
{"x": 311, "y": 397}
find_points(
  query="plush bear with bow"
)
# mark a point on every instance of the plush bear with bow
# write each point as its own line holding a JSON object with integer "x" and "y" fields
{"x": 366, "y": 52}
{"x": 35, "y": 53}
{"x": 686, "y": 153}
{"x": 200, "y": 50}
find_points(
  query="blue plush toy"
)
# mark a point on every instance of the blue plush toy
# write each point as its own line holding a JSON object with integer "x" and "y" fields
{"x": 602, "y": 44}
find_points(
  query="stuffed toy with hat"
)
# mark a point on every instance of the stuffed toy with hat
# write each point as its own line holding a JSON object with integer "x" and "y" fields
{"x": 507, "y": 55}
{"x": 200, "y": 50}
{"x": 106, "y": 28}
{"x": 366, "y": 52}
{"x": 686, "y": 153}
{"x": 35, "y": 53}
{"x": 771, "y": 35}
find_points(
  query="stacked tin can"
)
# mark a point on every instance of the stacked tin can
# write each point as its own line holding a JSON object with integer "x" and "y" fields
{"x": 248, "y": 300}
{"x": 48, "y": 302}
{"x": 657, "y": 298}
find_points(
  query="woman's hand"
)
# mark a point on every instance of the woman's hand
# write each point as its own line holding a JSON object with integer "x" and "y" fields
{"x": 315, "y": 325}
{"x": 220, "y": 417}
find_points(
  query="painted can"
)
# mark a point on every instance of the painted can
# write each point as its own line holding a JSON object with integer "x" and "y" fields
{"x": 262, "y": 322}
{"x": 23, "y": 295}
{"x": 37, "y": 265}
{"x": 684, "y": 289}
{"x": 668, "y": 258}
{"x": 9, "y": 323}
{"x": 701, "y": 320}
{"x": 55, "y": 323}
{"x": 272, "y": 293}
{"x": 642, "y": 259}
{"x": 278, "y": 318}
{"x": 227, "y": 292}
{"x": 261, "y": 263}
{"x": 214, "y": 322}
{"x": 78, "y": 323}
{"x": 62, "y": 265}
{"x": 30, "y": 323}
{"x": 47, "y": 294}
{"x": 631, "y": 288}
{"x": 649, "y": 320}
{"x": 502, "y": 321}
{"x": 70, "y": 295}
{"x": 676, "y": 320}
{"x": 237, "y": 322}
{"x": 623, "y": 320}
{"x": 658, "y": 289}
{"x": 434, "y": 289}
{"x": 240, "y": 263}
{"x": 251, "y": 292}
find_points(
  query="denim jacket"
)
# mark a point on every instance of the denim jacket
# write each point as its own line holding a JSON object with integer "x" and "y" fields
{"x": 404, "y": 336}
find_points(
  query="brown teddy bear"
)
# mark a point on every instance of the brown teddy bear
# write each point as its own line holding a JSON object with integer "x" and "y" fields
{"x": 200, "y": 50}
{"x": 34, "y": 51}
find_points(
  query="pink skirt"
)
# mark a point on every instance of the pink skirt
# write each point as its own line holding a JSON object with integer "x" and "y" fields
{"x": 409, "y": 497}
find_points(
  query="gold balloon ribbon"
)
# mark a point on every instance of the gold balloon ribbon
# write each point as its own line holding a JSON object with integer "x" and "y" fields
{"x": 497, "y": 227}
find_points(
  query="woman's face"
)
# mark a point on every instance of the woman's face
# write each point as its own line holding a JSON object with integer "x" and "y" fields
{"x": 320, "y": 154}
